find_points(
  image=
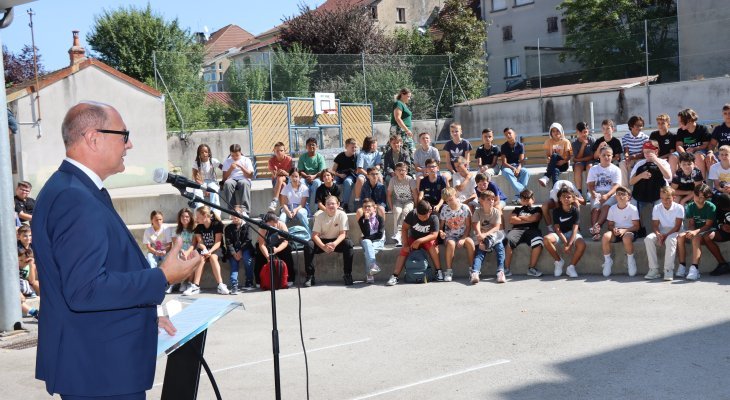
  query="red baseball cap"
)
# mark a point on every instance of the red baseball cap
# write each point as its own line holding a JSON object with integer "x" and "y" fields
{"x": 649, "y": 145}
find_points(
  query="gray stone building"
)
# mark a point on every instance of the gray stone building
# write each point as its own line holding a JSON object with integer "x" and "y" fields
{"x": 703, "y": 38}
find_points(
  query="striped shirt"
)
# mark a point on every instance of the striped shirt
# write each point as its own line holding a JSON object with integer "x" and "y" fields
{"x": 634, "y": 143}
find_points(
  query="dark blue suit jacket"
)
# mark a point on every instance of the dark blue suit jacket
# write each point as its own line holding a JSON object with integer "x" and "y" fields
{"x": 97, "y": 330}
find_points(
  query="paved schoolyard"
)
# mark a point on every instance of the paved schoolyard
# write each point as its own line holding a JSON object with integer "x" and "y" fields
{"x": 543, "y": 338}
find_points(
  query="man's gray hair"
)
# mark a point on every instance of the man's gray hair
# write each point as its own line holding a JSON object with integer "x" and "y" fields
{"x": 82, "y": 117}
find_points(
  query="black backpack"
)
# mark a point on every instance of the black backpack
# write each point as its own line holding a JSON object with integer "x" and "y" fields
{"x": 418, "y": 267}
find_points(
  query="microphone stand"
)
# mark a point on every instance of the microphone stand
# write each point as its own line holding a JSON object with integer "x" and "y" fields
{"x": 270, "y": 232}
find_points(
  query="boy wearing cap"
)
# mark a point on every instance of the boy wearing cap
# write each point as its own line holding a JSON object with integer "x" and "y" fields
{"x": 648, "y": 176}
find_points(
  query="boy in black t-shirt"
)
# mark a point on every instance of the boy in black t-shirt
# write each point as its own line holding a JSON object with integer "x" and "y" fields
{"x": 665, "y": 140}
{"x": 525, "y": 222}
{"x": 566, "y": 221}
{"x": 686, "y": 179}
{"x": 692, "y": 138}
{"x": 325, "y": 190}
{"x": 720, "y": 136}
{"x": 487, "y": 154}
{"x": 431, "y": 186}
{"x": 420, "y": 230}
{"x": 608, "y": 140}
{"x": 344, "y": 166}
{"x": 457, "y": 147}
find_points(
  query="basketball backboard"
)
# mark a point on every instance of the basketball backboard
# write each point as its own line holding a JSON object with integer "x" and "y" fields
{"x": 325, "y": 103}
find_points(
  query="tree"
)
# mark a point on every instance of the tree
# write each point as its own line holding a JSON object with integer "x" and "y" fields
{"x": 344, "y": 30}
{"x": 247, "y": 83}
{"x": 19, "y": 67}
{"x": 292, "y": 71}
{"x": 414, "y": 41}
{"x": 607, "y": 37}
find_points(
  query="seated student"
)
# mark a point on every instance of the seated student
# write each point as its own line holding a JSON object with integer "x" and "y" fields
{"x": 648, "y": 175}
{"x": 666, "y": 141}
{"x": 369, "y": 157}
{"x": 237, "y": 174}
{"x": 420, "y": 231}
{"x": 238, "y": 250}
{"x": 329, "y": 235}
{"x": 423, "y": 153}
{"x": 603, "y": 180}
{"x": 623, "y": 223}
{"x": 24, "y": 236}
{"x": 464, "y": 183}
{"x": 327, "y": 189}
{"x": 632, "y": 143}
{"x": 692, "y": 138}
{"x": 207, "y": 241}
{"x": 392, "y": 157}
{"x": 432, "y": 185}
{"x": 487, "y": 223}
{"x": 455, "y": 229}
{"x": 293, "y": 199}
{"x": 720, "y": 136}
{"x": 279, "y": 245}
{"x": 699, "y": 218}
{"x": 344, "y": 166}
{"x": 375, "y": 191}
{"x": 487, "y": 154}
{"x": 686, "y": 178}
{"x": 525, "y": 221}
{"x": 402, "y": 194}
{"x": 29, "y": 284}
{"x": 554, "y": 200}
{"x": 279, "y": 165}
{"x": 457, "y": 147}
{"x": 513, "y": 155}
{"x": 582, "y": 154}
{"x": 667, "y": 220}
{"x": 156, "y": 239}
{"x": 607, "y": 140}
{"x": 565, "y": 232}
{"x": 558, "y": 152}
{"x": 310, "y": 167}
{"x": 204, "y": 172}
{"x": 719, "y": 234}
{"x": 483, "y": 183}
{"x": 720, "y": 172}
{"x": 184, "y": 230}
{"x": 372, "y": 226}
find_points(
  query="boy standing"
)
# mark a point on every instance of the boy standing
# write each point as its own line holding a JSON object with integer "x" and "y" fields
{"x": 419, "y": 231}
{"x": 686, "y": 179}
{"x": 632, "y": 143}
{"x": 431, "y": 186}
{"x": 279, "y": 165}
{"x": 455, "y": 229}
{"x": 487, "y": 154}
{"x": 700, "y": 217}
{"x": 525, "y": 221}
{"x": 582, "y": 154}
{"x": 457, "y": 147}
{"x": 623, "y": 223}
{"x": 513, "y": 154}
{"x": 603, "y": 180}
{"x": 344, "y": 166}
{"x": 488, "y": 234}
{"x": 566, "y": 233}
{"x": 310, "y": 166}
{"x": 667, "y": 220}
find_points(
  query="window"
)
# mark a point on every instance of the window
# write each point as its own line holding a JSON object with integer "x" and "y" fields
{"x": 507, "y": 33}
{"x": 401, "y": 16}
{"x": 552, "y": 24}
{"x": 512, "y": 66}
{"x": 220, "y": 65}
{"x": 523, "y": 2}
{"x": 499, "y": 5}
{"x": 374, "y": 12}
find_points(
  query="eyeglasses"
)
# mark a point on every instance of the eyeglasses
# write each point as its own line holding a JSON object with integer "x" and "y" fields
{"x": 124, "y": 133}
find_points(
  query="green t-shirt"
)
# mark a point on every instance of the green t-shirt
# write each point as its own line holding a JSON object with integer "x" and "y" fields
{"x": 311, "y": 165}
{"x": 405, "y": 115}
{"x": 700, "y": 215}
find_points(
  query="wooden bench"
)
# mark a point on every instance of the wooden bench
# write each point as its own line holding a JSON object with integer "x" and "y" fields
{"x": 534, "y": 151}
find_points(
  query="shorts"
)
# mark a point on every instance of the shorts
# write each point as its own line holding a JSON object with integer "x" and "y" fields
{"x": 582, "y": 163}
{"x": 703, "y": 152}
{"x": 406, "y": 249}
{"x": 595, "y": 204}
{"x": 720, "y": 235}
{"x": 568, "y": 235}
{"x": 617, "y": 239}
{"x": 452, "y": 237}
{"x": 532, "y": 237}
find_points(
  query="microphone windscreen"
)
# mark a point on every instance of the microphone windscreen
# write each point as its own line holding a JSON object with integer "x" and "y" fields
{"x": 160, "y": 175}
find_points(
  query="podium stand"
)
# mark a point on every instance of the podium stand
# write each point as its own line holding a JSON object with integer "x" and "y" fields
{"x": 185, "y": 349}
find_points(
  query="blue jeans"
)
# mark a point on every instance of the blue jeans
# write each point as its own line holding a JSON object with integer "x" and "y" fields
{"x": 480, "y": 254}
{"x": 302, "y": 219}
{"x": 369, "y": 250}
{"x": 553, "y": 169}
{"x": 247, "y": 260}
{"x": 313, "y": 192}
{"x": 519, "y": 182}
{"x": 347, "y": 183}
{"x": 154, "y": 260}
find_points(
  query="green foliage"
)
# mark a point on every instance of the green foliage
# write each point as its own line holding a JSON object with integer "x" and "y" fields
{"x": 413, "y": 42}
{"x": 608, "y": 37}
{"x": 221, "y": 115}
{"x": 292, "y": 71}
{"x": 247, "y": 83}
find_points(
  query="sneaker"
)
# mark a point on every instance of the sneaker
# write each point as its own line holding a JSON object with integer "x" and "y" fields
{"x": 191, "y": 290}
{"x": 693, "y": 274}
{"x": 681, "y": 271}
{"x": 309, "y": 281}
{"x": 544, "y": 181}
{"x": 721, "y": 269}
{"x": 169, "y": 289}
{"x": 559, "y": 267}
{"x": 607, "y": 268}
{"x": 369, "y": 279}
{"x": 185, "y": 285}
{"x": 392, "y": 281}
{"x": 348, "y": 279}
{"x": 507, "y": 272}
{"x": 449, "y": 275}
{"x": 439, "y": 275}
{"x": 374, "y": 269}
{"x": 398, "y": 243}
{"x": 631, "y": 265}
{"x": 474, "y": 278}
{"x": 532, "y": 271}
{"x": 273, "y": 205}
{"x": 570, "y": 271}
{"x": 595, "y": 229}
{"x": 668, "y": 274}
{"x": 33, "y": 312}
{"x": 653, "y": 274}
{"x": 223, "y": 289}
{"x": 248, "y": 286}
{"x": 500, "y": 277}
{"x": 233, "y": 289}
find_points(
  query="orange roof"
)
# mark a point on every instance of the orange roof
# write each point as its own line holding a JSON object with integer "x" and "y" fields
{"x": 28, "y": 87}
{"x": 225, "y": 38}
{"x": 219, "y": 97}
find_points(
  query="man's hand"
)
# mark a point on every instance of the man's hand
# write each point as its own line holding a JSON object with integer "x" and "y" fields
{"x": 175, "y": 268}
{"x": 165, "y": 324}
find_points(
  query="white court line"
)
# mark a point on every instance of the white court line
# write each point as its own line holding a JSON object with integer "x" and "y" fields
{"x": 449, "y": 375}
{"x": 248, "y": 364}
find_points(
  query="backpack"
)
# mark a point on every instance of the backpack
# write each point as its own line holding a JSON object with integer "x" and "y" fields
{"x": 418, "y": 267}
{"x": 301, "y": 233}
{"x": 281, "y": 275}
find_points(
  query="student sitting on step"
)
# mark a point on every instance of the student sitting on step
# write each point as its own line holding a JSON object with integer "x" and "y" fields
{"x": 623, "y": 223}
{"x": 525, "y": 221}
{"x": 699, "y": 217}
{"x": 603, "y": 180}
{"x": 566, "y": 224}
{"x": 455, "y": 231}
{"x": 372, "y": 226}
{"x": 667, "y": 220}
{"x": 329, "y": 234}
{"x": 488, "y": 233}
{"x": 420, "y": 231}
{"x": 554, "y": 200}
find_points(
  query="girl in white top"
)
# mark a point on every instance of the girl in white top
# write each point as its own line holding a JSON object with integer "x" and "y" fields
{"x": 204, "y": 168}
{"x": 156, "y": 238}
{"x": 293, "y": 200}
{"x": 667, "y": 220}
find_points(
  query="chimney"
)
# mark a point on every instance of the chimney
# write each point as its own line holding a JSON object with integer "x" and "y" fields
{"x": 76, "y": 53}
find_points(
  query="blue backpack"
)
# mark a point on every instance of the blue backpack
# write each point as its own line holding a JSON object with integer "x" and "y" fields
{"x": 418, "y": 267}
{"x": 301, "y": 233}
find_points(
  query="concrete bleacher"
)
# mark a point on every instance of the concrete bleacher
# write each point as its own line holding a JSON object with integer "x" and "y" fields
{"x": 135, "y": 205}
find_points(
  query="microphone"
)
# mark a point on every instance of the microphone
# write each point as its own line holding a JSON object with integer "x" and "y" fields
{"x": 162, "y": 176}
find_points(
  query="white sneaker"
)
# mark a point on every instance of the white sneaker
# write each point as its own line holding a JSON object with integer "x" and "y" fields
{"x": 532, "y": 271}
{"x": 571, "y": 271}
{"x": 369, "y": 279}
{"x": 681, "y": 271}
{"x": 500, "y": 277}
{"x": 693, "y": 274}
{"x": 392, "y": 281}
{"x": 374, "y": 269}
{"x": 449, "y": 275}
{"x": 223, "y": 289}
{"x": 668, "y": 274}
{"x": 559, "y": 267}
{"x": 544, "y": 181}
{"x": 653, "y": 274}
{"x": 607, "y": 268}
{"x": 184, "y": 286}
{"x": 474, "y": 278}
{"x": 273, "y": 205}
{"x": 631, "y": 265}
{"x": 192, "y": 290}
{"x": 169, "y": 289}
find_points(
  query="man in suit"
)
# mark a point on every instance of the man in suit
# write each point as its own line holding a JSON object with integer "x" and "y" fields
{"x": 98, "y": 330}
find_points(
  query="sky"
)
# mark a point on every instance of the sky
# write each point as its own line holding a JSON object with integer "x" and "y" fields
{"x": 55, "y": 19}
